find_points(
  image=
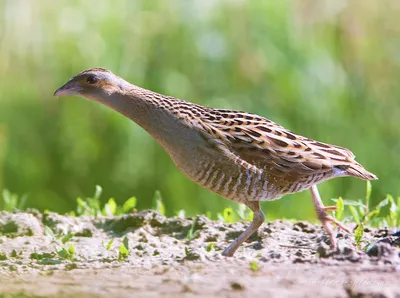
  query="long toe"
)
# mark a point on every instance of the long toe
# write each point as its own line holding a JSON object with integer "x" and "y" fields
{"x": 326, "y": 220}
{"x": 331, "y": 219}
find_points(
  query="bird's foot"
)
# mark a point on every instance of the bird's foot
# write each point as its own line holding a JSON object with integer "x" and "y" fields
{"x": 229, "y": 251}
{"x": 324, "y": 217}
{"x": 326, "y": 220}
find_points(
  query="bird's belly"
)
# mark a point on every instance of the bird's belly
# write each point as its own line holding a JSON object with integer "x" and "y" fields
{"x": 226, "y": 178}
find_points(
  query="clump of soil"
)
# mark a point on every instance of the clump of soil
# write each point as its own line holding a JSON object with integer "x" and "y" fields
{"x": 176, "y": 256}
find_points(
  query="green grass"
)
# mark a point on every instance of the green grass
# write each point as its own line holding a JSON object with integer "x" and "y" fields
{"x": 123, "y": 251}
{"x": 385, "y": 214}
{"x": 328, "y": 72}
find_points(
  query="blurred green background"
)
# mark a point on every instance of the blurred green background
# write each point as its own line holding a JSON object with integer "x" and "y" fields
{"x": 328, "y": 70}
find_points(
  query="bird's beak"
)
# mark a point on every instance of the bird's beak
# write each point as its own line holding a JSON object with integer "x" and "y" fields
{"x": 70, "y": 88}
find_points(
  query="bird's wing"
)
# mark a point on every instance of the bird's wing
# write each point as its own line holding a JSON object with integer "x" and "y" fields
{"x": 267, "y": 145}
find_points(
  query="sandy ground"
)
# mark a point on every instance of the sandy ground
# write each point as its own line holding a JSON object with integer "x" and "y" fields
{"x": 285, "y": 259}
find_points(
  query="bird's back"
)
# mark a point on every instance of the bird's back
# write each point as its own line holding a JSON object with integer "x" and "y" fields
{"x": 253, "y": 158}
{"x": 243, "y": 156}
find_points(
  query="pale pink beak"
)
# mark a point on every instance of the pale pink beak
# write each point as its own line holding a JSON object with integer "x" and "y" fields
{"x": 70, "y": 88}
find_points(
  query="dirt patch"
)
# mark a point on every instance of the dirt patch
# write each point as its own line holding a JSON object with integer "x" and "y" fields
{"x": 175, "y": 256}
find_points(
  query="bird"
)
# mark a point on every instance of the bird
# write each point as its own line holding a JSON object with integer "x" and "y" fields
{"x": 240, "y": 156}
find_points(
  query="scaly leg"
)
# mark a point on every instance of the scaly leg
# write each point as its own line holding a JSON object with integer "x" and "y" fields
{"x": 258, "y": 219}
{"x": 320, "y": 209}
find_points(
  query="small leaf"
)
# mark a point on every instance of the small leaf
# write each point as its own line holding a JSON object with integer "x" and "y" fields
{"x": 66, "y": 238}
{"x": 352, "y": 203}
{"x": 354, "y": 213}
{"x": 22, "y": 202}
{"x": 125, "y": 241}
{"x": 123, "y": 252}
{"x": 63, "y": 253}
{"x": 129, "y": 204}
{"x": 109, "y": 244}
{"x": 373, "y": 213}
{"x": 191, "y": 234}
{"x": 49, "y": 232}
{"x": 181, "y": 213}
{"x": 382, "y": 203}
{"x": 358, "y": 234}
{"x": 339, "y": 208}
{"x": 210, "y": 247}
{"x": 81, "y": 207}
{"x": 159, "y": 206}
{"x": 71, "y": 251}
{"x": 110, "y": 208}
{"x": 97, "y": 192}
{"x": 254, "y": 266}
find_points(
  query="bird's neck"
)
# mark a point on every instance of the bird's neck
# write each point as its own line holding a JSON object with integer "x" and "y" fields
{"x": 149, "y": 110}
{"x": 133, "y": 104}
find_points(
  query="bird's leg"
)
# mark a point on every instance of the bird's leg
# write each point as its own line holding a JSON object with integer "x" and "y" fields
{"x": 320, "y": 209}
{"x": 258, "y": 219}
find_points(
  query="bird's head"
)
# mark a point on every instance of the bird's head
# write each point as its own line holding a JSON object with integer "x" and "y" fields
{"x": 93, "y": 83}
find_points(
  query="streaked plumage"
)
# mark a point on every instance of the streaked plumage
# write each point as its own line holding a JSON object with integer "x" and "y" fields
{"x": 241, "y": 156}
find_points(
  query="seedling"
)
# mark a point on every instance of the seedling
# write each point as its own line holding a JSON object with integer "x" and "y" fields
{"x": 66, "y": 253}
{"x": 63, "y": 237}
{"x": 358, "y": 234}
{"x": 362, "y": 212}
{"x": 12, "y": 201}
{"x": 123, "y": 250}
{"x": 158, "y": 203}
{"x": 128, "y": 206}
{"x": 210, "y": 247}
{"x": 339, "y": 208}
{"x": 109, "y": 244}
{"x": 110, "y": 208}
{"x": 253, "y": 265}
{"x": 66, "y": 238}
{"x": 90, "y": 206}
{"x": 191, "y": 234}
{"x": 181, "y": 213}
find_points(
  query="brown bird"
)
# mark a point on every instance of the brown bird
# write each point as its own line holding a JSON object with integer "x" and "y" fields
{"x": 240, "y": 156}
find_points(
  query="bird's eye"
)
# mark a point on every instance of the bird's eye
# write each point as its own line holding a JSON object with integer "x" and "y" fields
{"x": 91, "y": 79}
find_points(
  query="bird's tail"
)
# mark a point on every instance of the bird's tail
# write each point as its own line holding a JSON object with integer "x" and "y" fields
{"x": 358, "y": 171}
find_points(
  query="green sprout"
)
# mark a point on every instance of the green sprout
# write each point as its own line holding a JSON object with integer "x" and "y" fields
{"x": 253, "y": 265}
{"x": 123, "y": 252}
{"x": 66, "y": 253}
{"x": 191, "y": 234}
{"x": 12, "y": 201}
{"x": 158, "y": 203}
